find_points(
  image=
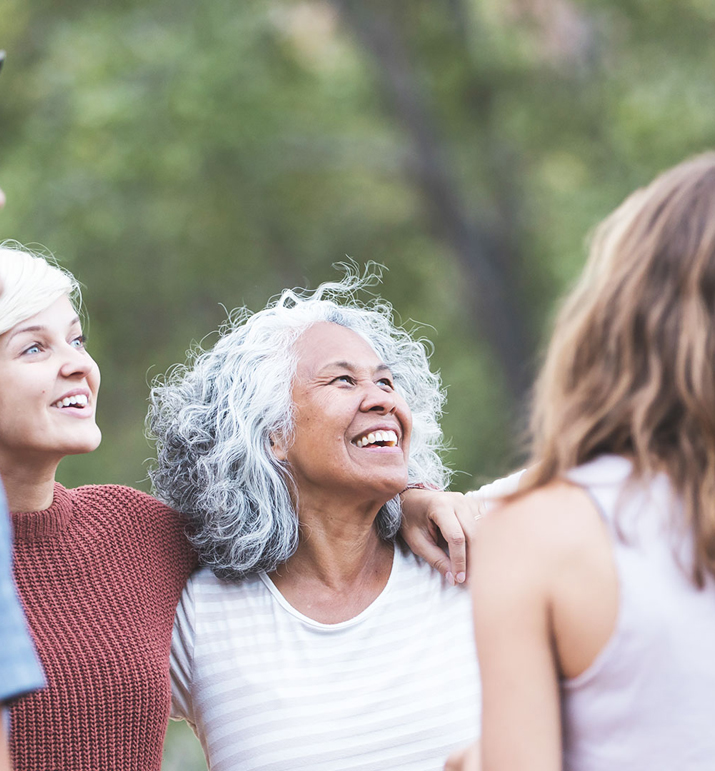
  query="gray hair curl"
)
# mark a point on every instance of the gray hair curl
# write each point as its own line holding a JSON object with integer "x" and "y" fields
{"x": 213, "y": 418}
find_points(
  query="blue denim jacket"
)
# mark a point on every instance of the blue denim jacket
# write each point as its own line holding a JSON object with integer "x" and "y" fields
{"x": 20, "y": 670}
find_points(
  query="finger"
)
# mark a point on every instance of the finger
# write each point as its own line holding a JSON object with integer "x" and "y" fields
{"x": 455, "y": 762}
{"x": 466, "y": 759}
{"x": 468, "y": 514}
{"x": 472, "y": 759}
{"x": 424, "y": 546}
{"x": 447, "y": 520}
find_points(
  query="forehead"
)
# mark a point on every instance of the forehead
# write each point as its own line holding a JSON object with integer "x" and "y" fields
{"x": 57, "y": 317}
{"x": 325, "y": 343}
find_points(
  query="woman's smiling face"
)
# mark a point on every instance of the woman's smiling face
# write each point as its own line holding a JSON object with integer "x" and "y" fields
{"x": 48, "y": 389}
{"x": 352, "y": 429}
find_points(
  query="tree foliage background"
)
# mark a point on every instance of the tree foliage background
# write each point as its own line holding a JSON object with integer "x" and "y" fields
{"x": 185, "y": 158}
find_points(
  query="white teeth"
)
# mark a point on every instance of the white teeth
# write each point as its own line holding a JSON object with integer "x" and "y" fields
{"x": 386, "y": 437}
{"x": 78, "y": 400}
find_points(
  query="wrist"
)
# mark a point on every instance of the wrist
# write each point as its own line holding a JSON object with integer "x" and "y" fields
{"x": 421, "y": 486}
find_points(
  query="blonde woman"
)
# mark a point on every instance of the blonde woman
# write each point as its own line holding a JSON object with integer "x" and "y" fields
{"x": 100, "y": 568}
{"x": 594, "y": 589}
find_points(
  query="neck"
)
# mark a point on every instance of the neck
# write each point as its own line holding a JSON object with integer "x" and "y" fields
{"x": 340, "y": 566}
{"x": 28, "y": 488}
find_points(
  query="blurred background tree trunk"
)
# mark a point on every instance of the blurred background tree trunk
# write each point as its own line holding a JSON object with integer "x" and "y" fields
{"x": 487, "y": 249}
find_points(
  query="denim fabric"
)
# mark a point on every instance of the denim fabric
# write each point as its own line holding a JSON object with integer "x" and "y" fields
{"x": 20, "y": 670}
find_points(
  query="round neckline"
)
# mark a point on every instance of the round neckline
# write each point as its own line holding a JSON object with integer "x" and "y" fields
{"x": 36, "y": 525}
{"x": 361, "y": 616}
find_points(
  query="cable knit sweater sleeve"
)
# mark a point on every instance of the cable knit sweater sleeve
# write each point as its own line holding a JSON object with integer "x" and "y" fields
{"x": 100, "y": 574}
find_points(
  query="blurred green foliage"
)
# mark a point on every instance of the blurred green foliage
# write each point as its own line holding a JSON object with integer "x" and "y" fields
{"x": 185, "y": 158}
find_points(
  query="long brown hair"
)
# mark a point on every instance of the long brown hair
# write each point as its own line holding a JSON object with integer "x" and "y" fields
{"x": 631, "y": 365}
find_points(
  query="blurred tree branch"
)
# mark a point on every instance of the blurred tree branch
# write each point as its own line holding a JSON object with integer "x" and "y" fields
{"x": 487, "y": 252}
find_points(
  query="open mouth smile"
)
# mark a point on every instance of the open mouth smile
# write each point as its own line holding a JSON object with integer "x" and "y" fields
{"x": 386, "y": 438}
{"x": 79, "y": 401}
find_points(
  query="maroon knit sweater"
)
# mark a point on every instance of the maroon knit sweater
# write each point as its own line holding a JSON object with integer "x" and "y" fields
{"x": 100, "y": 573}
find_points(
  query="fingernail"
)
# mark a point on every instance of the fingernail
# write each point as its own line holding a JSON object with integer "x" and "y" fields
{"x": 450, "y": 579}
{"x": 461, "y": 577}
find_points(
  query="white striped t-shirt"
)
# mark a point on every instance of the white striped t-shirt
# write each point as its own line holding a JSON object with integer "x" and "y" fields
{"x": 266, "y": 688}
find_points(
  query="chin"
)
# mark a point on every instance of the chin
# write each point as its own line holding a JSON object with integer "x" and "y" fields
{"x": 392, "y": 487}
{"x": 89, "y": 444}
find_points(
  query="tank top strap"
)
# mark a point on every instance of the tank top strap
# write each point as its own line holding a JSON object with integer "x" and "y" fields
{"x": 634, "y": 509}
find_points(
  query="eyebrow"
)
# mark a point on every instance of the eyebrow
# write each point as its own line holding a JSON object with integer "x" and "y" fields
{"x": 347, "y": 365}
{"x": 40, "y": 328}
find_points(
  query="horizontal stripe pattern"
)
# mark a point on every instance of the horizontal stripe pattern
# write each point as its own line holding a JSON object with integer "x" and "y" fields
{"x": 268, "y": 689}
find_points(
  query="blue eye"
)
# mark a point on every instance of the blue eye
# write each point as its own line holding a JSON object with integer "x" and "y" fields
{"x": 34, "y": 348}
{"x": 343, "y": 379}
{"x": 79, "y": 342}
{"x": 386, "y": 382}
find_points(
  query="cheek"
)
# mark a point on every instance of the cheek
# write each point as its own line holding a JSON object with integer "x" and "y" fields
{"x": 317, "y": 445}
{"x": 24, "y": 422}
{"x": 5, "y": 418}
{"x": 22, "y": 396}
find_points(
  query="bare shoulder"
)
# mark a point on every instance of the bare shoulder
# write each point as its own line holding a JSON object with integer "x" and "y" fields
{"x": 550, "y": 551}
{"x": 551, "y": 515}
{"x": 546, "y": 528}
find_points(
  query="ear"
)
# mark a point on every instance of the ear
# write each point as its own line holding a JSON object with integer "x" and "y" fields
{"x": 278, "y": 448}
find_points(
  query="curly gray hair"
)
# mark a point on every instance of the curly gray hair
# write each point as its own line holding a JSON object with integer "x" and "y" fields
{"x": 213, "y": 418}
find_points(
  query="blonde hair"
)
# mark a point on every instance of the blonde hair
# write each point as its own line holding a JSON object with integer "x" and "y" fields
{"x": 631, "y": 365}
{"x": 30, "y": 283}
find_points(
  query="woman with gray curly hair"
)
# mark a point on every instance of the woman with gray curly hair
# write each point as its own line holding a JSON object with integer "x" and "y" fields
{"x": 311, "y": 639}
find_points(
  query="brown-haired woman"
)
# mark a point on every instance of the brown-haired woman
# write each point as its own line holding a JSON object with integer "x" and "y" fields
{"x": 594, "y": 587}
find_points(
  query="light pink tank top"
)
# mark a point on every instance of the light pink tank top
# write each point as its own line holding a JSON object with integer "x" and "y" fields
{"x": 648, "y": 700}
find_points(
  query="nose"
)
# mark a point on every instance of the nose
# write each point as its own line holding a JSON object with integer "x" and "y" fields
{"x": 77, "y": 363}
{"x": 380, "y": 400}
